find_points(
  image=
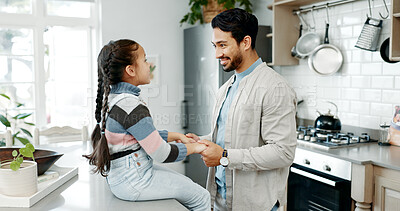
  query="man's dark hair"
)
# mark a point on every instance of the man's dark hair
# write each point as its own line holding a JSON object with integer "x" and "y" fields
{"x": 239, "y": 22}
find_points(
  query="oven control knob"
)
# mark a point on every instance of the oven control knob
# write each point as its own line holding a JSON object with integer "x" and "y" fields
{"x": 326, "y": 168}
{"x": 306, "y": 161}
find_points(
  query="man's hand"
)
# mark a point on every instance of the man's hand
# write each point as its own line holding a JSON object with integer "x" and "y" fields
{"x": 212, "y": 154}
{"x": 198, "y": 147}
{"x": 193, "y": 136}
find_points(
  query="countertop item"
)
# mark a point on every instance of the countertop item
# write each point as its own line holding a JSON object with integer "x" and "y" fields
{"x": 44, "y": 158}
{"x": 88, "y": 191}
{"x": 369, "y": 153}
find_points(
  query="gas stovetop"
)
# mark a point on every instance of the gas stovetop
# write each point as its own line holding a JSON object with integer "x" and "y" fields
{"x": 325, "y": 139}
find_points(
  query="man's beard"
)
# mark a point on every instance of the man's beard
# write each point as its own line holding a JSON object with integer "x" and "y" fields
{"x": 235, "y": 62}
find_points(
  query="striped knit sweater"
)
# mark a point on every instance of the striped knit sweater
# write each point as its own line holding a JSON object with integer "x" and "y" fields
{"x": 130, "y": 126}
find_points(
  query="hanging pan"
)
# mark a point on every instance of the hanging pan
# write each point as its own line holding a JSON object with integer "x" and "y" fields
{"x": 384, "y": 50}
{"x": 326, "y": 59}
{"x": 308, "y": 42}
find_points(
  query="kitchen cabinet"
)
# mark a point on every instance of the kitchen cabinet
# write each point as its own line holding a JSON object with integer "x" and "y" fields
{"x": 284, "y": 31}
{"x": 387, "y": 189}
{"x": 394, "y": 46}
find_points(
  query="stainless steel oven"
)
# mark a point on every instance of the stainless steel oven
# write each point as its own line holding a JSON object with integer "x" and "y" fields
{"x": 319, "y": 182}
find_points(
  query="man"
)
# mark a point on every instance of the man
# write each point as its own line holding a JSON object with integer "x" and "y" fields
{"x": 253, "y": 137}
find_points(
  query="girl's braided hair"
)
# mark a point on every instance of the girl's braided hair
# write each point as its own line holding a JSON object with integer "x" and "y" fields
{"x": 112, "y": 61}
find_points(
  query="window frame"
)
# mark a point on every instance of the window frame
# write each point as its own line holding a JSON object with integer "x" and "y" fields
{"x": 38, "y": 21}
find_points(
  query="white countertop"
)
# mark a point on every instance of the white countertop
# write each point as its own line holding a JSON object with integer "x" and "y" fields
{"x": 369, "y": 153}
{"x": 88, "y": 191}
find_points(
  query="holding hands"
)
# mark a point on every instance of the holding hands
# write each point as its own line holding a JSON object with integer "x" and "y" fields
{"x": 211, "y": 154}
{"x": 180, "y": 138}
{"x": 190, "y": 141}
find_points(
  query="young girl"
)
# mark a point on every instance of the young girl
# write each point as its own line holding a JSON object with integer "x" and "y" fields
{"x": 125, "y": 141}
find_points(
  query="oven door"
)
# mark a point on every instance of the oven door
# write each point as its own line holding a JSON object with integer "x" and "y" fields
{"x": 313, "y": 190}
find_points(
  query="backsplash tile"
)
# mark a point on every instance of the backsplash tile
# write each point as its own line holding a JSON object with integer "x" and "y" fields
{"x": 360, "y": 81}
{"x": 359, "y": 107}
{"x": 383, "y": 82}
{"x": 371, "y": 95}
{"x": 369, "y": 121}
{"x": 351, "y": 94}
{"x": 397, "y": 82}
{"x": 391, "y": 96}
{"x": 371, "y": 68}
{"x": 383, "y": 109}
{"x": 366, "y": 89}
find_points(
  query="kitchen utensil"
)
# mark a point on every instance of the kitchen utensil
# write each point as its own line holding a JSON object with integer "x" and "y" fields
{"x": 308, "y": 42}
{"x": 368, "y": 39}
{"x": 294, "y": 50}
{"x": 328, "y": 121}
{"x": 384, "y": 131}
{"x": 387, "y": 11}
{"x": 326, "y": 59}
{"x": 44, "y": 158}
{"x": 384, "y": 50}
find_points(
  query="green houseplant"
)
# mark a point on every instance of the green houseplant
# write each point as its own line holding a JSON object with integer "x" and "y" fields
{"x": 12, "y": 119}
{"x": 17, "y": 160}
{"x": 198, "y": 9}
{"x": 18, "y": 177}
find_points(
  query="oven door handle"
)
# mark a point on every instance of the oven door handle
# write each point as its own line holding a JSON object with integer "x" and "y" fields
{"x": 313, "y": 176}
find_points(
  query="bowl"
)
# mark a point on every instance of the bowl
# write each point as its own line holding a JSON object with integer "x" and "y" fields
{"x": 44, "y": 158}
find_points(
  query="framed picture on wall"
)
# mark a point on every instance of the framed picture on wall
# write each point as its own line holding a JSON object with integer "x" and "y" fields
{"x": 154, "y": 61}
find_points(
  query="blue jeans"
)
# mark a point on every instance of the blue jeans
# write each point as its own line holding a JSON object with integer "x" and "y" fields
{"x": 135, "y": 178}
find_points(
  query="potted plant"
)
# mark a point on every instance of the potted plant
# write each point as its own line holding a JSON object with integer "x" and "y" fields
{"x": 12, "y": 119}
{"x": 206, "y": 10}
{"x": 18, "y": 177}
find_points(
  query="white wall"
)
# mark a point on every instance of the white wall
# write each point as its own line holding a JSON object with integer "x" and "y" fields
{"x": 155, "y": 25}
{"x": 365, "y": 89}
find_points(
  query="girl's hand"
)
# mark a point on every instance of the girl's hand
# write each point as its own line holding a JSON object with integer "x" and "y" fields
{"x": 179, "y": 138}
{"x": 193, "y": 136}
{"x": 185, "y": 140}
{"x": 198, "y": 147}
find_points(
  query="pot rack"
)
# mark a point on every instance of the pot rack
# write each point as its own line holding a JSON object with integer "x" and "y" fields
{"x": 335, "y": 3}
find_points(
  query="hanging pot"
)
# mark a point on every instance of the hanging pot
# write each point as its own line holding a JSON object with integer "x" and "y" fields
{"x": 293, "y": 52}
{"x": 326, "y": 59}
{"x": 385, "y": 51}
{"x": 308, "y": 42}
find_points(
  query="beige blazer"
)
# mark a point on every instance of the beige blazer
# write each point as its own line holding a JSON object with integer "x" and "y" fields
{"x": 260, "y": 137}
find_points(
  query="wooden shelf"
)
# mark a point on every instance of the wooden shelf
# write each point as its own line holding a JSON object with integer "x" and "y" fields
{"x": 285, "y": 36}
{"x": 394, "y": 46}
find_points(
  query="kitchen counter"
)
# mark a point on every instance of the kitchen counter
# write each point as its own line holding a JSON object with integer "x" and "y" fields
{"x": 88, "y": 191}
{"x": 369, "y": 153}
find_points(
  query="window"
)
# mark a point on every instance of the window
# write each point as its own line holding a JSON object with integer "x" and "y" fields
{"x": 47, "y": 59}
{"x": 16, "y": 6}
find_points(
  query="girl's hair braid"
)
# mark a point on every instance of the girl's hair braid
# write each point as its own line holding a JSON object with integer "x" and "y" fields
{"x": 112, "y": 60}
